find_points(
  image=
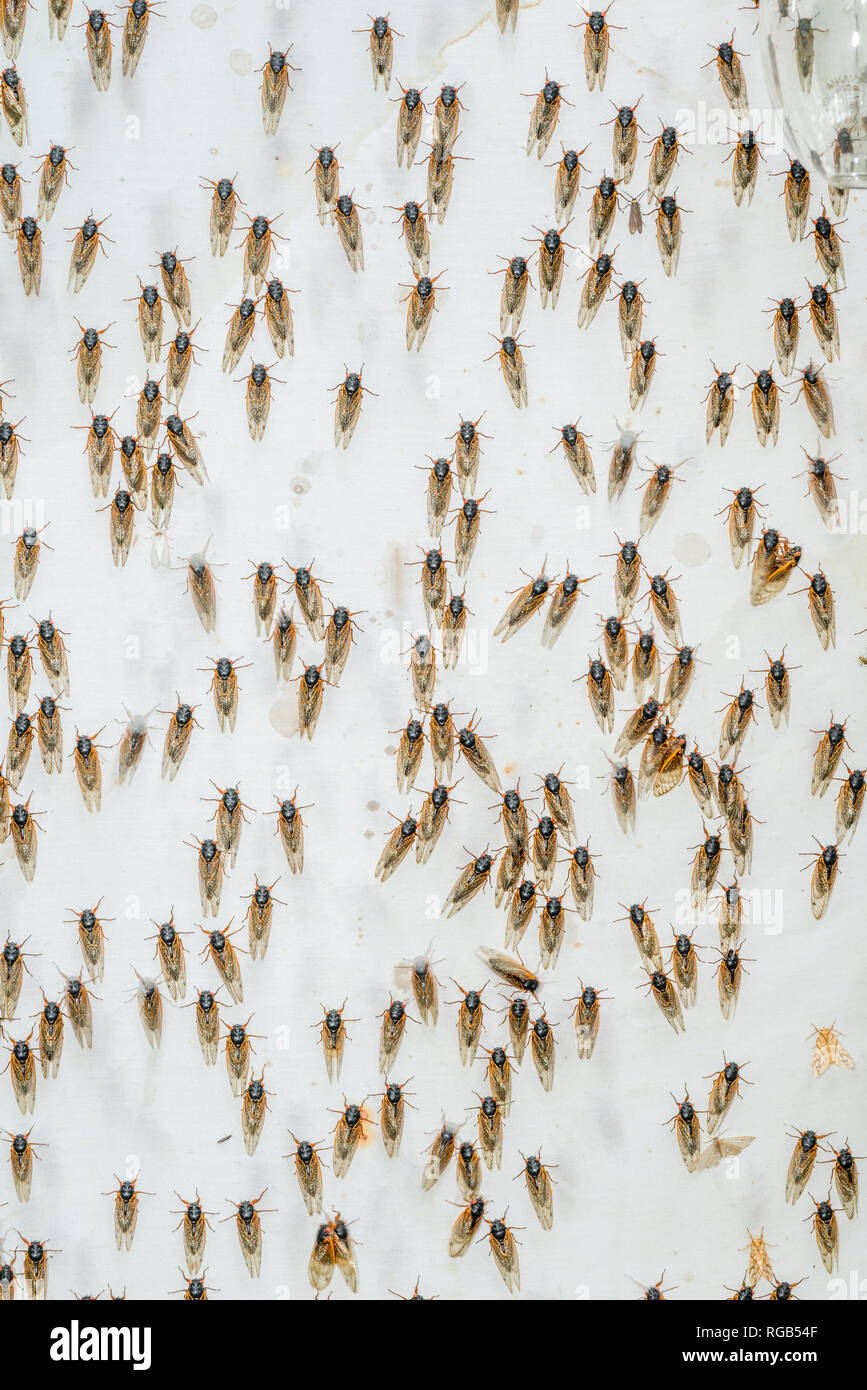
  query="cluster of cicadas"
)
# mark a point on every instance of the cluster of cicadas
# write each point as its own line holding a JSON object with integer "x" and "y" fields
{"x": 55, "y": 164}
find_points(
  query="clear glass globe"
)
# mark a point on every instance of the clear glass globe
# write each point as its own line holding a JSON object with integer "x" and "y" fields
{"x": 815, "y": 58}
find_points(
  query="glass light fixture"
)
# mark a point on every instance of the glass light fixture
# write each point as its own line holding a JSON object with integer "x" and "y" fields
{"x": 815, "y": 58}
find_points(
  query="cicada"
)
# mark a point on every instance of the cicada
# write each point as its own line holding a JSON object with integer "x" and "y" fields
{"x": 10, "y": 199}
{"x": 823, "y": 316}
{"x": 729, "y": 974}
{"x": 850, "y": 801}
{"x": 846, "y": 1179}
{"x": 603, "y": 208}
{"x": 347, "y": 1135}
{"x": 704, "y": 869}
{"x": 824, "y": 1221}
{"x": 447, "y": 109}
{"x": 506, "y": 10}
{"x": 22, "y": 828}
{"x": 391, "y": 1032}
{"x": 391, "y": 1117}
{"x": 561, "y": 607}
{"x": 773, "y": 563}
{"x": 135, "y": 31}
{"x": 520, "y": 913}
{"x": 30, "y": 254}
{"x": 55, "y": 173}
{"x": 687, "y": 1130}
{"x": 796, "y": 193}
{"x": 586, "y": 1015}
{"x": 821, "y": 600}
{"x": 177, "y": 740}
{"x": 567, "y": 183}
{"x": 467, "y": 450}
{"x": 98, "y": 36}
{"x": 596, "y": 284}
{"x": 802, "y": 1162}
{"x": 347, "y": 407}
{"x": 439, "y": 1155}
{"x": 283, "y": 641}
{"x": 259, "y": 915}
{"x": 663, "y": 159}
{"x": 150, "y": 321}
{"x": 230, "y": 819}
{"x": 600, "y": 692}
{"x": 308, "y": 1171}
{"x": 574, "y": 445}
{"x": 249, "y": 1227}
{"x": 597, "y": 42}
{"x": 745, "y": 156}
{"x": 332, "y": 1036}
{"x": 19, "y": 671}
{"x": 176, "y": 287}
{"x": 186, "y": 447}
{"x": 278, "y": 317}
{"x": 21, "y": 1156}
{"x": 91, "y": 939}
{"x": 207, "y": 1025}
{"x": 630, "y": 315}
{"x": 35, "y": 1272}
{"x": 326, "y": 182}
{"x": 220, "y": 948}
{"x": 180, "y": 360}
{"x": 538, "y": 1182}
{"x": 822, "y": 487}
{"x": 513, "y": 368}
{"x": 823, "y": 878}
{"x": 416, "y": 237}
{"x": 740, "y": 713}
{"x": 411, "y": 108}
{"x": 14, "y": 104}
{"x": 684, "y": 968}
{"x": 195, "y": 1223}
{"x": 731, "y": 76}
{"x": 421, "y": 303}
{"x": 828, "y": 253}
{"x": 582, "y": 880}
{"x": 290, "y": 827}
{"x": 504, "y": 1247}
{"x": 476, "y": 754}
{"x": 818, "y": 398}
{"x": 619, "y": 469}
{"x": 543, "y": 121}
{"x": 527, "y": 601}
{"x": 666, "y": 996}
{"x": 275, "y": 86}
{"x": 624, "y": 141}
{"x": 172, "y": 957}
{"x": 720, "y": 405}
{"x": 552, "y": 261}
{"x": 623, "y": 795}
{"x": 669, "y": 233}
{"x": 50, "y": 1036}
{"x": 490, "y": 1128}
{"x": 642, "y": 372}
{"x": 349, "y": 230}
{"x": 723, "y": 1093}
{"x": 381, "y": 50}
{"x": 210, "y": 874}
{"x": 786, "y": 333}
{"x": 87, "y": 240}
{"x": 469, "y": 1217}
{"x": 150, "y": 1008}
